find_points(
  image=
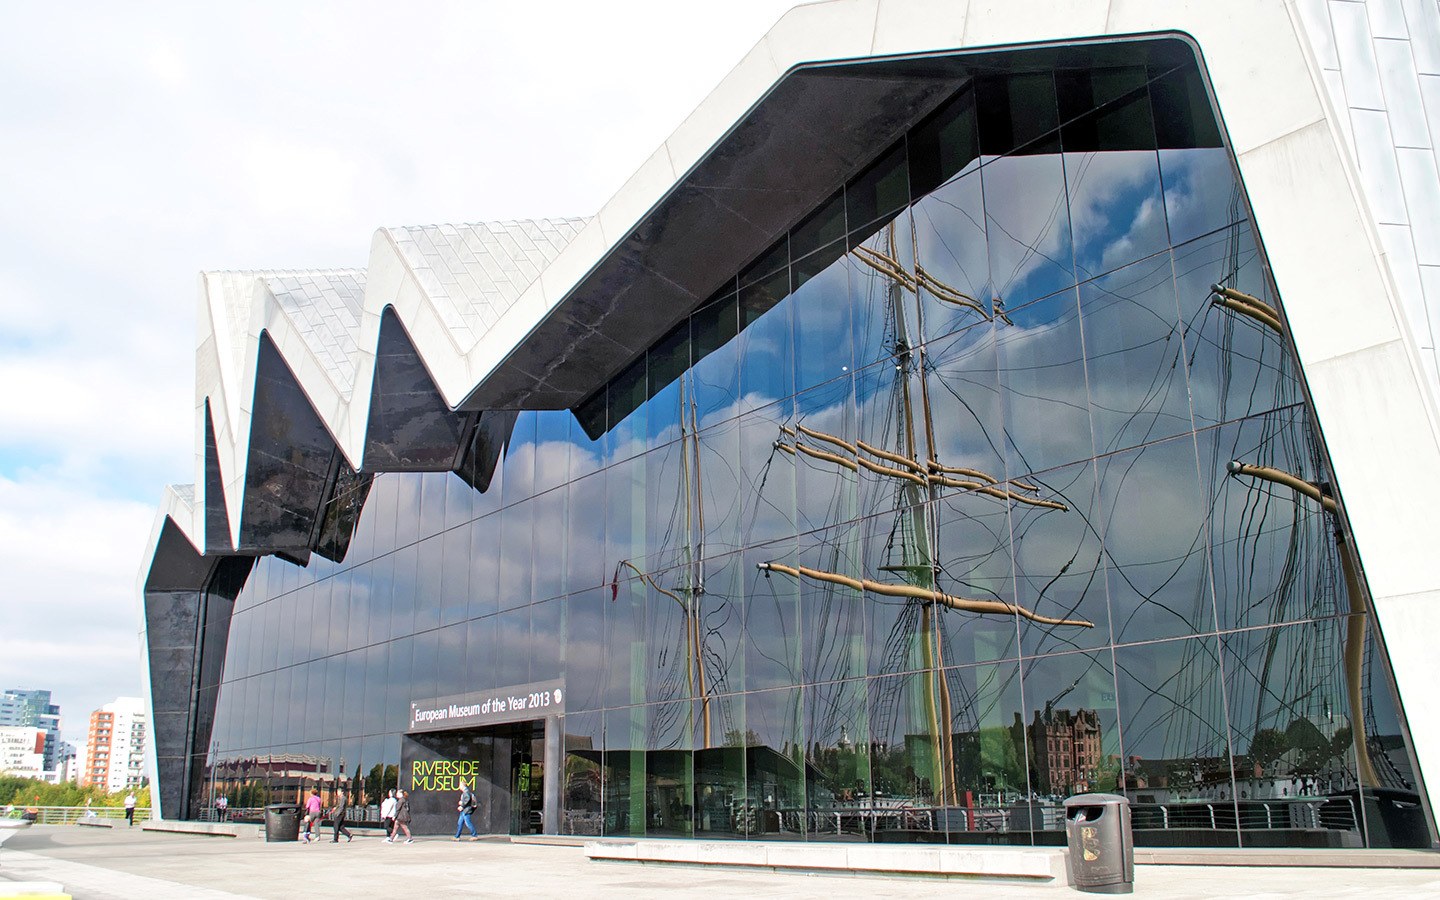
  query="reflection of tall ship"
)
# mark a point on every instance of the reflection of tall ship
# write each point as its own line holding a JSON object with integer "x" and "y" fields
{"x": 909, "y": 566}
{"x": 927, "y": 725}
{"x": 908, "y": 473}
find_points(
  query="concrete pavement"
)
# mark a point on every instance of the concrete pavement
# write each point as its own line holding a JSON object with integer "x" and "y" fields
{"x": 109, "y": 864}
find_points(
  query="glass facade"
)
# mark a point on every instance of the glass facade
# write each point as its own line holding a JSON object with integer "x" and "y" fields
{"x": 990, "y": 482}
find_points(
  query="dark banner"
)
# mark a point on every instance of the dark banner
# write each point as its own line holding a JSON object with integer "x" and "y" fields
{"x": 493, "y": 707}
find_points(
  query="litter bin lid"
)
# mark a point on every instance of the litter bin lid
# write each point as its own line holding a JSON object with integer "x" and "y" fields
{"x": 1095, "y": 800}
{"x": 281, "y": 807}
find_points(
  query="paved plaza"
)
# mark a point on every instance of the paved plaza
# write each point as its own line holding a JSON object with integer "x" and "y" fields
{"x": 104, "y": 864}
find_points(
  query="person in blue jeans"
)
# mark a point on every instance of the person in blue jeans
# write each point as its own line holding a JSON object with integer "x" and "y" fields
{"x": 466, "y": 807}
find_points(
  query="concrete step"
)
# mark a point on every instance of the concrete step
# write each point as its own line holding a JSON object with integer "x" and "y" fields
{"x": 1023, "y": 865}
{"x": 212, "y": 829}
{"x": 1294, "y": 856}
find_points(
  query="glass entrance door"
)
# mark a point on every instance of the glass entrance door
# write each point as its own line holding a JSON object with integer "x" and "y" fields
{"x": 527, "y": 779}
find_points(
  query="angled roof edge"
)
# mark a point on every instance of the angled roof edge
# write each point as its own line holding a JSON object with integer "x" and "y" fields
{"x": 830, "y": 31}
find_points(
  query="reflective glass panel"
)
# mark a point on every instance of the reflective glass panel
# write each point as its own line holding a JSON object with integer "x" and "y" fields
{"x": 1172, "y": 724}
{"x": 1072, "y": 738}
{"x": 1156, "y": 570}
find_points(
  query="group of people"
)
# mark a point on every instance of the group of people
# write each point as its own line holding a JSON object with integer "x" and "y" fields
{"x": 315, "y": 809}
{"x": 394, "y": 813}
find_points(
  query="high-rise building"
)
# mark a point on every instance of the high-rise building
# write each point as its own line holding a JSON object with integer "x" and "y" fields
{"x": 22, "y": 751}
{"x": 970, "y": 404}
{"x": 33, "y": 709}
{"x": 67, "y": 764}
{"x": 115, "y": 746}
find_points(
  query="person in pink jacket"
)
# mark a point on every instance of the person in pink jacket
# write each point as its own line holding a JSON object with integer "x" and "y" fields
{"x": 313, "y": 808}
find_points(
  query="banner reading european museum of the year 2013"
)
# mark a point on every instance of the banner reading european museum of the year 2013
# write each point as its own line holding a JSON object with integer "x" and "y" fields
{"x": 518, "y": 703}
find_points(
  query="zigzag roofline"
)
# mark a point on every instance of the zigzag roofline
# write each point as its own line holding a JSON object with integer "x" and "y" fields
{"x": 841, "y": 59}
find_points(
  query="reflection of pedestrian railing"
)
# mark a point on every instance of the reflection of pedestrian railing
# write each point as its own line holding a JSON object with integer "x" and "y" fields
{"x": 354, "y": 815}
{"x": 860, "y": 819}
{"x": 232, "y": 814}
{"x": 575, "y": 822}
{"x": 1292, "y": 813}
{"x": 70, "y": 815}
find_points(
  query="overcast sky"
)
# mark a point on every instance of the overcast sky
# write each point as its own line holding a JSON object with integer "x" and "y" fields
{"x": 142, "y": 143}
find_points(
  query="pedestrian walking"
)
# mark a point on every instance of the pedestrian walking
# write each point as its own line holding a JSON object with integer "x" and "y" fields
{"x": 130, "y": 809}
{"x": 222, "y": 808}
{"x": 387, "y": 814}
{"x": 337, "y": 816}
{"x": 312, "y": 816}
{"x": 466, "y": 808}
{"x": 402, "y": 817}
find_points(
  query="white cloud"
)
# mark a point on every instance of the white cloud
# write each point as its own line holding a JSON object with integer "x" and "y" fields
{"x": 141, "y": 145}
{"x": 69, "y": 561}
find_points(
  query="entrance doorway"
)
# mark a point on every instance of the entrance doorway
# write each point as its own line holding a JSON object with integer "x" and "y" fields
{"x": 503, "y": 764}
{"x": 527, "y": 778}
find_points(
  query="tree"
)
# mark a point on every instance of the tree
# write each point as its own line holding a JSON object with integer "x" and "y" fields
{"x": 1266, "y": 747}
{"x": 34, "y": 792}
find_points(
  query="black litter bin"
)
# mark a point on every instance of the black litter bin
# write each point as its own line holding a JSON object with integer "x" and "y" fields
{"x": 282, "y": 822}
{"x": 1102, "y": 849}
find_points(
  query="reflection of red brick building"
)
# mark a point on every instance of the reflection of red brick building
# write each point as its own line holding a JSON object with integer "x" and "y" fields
{"x": 1064, "y": 750}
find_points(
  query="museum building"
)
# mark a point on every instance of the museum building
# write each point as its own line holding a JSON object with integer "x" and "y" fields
{"x": 951, "y": 418}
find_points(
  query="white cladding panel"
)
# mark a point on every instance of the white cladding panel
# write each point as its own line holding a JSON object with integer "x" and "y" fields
{"x": 1380, "y": 62}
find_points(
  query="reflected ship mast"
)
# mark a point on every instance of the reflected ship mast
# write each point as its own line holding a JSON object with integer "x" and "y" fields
{"x": 688, "y": 594}
{"x": 918, "y": 485}
{"x": 1258, "y": 310}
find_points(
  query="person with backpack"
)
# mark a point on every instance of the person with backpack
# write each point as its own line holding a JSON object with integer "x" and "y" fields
{"x": 402, "y": 818}
{"x": 466, "y": 808}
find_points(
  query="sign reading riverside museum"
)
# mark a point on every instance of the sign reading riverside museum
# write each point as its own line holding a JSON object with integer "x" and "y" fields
{"x": 493, "y": 707}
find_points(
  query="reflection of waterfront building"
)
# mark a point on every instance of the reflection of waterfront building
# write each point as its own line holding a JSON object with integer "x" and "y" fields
{"x": 275, "y": 778}
{"x": 966, "y": 466}
{"x": 1067, "y": 750}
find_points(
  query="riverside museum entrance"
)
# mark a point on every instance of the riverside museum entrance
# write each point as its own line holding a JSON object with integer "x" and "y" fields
{"x": 500, "y": 743}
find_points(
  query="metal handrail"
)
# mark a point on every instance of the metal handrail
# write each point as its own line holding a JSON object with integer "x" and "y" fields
{"x": 71, "y": 815}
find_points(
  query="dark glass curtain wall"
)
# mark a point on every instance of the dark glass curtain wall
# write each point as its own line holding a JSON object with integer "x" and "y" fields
{"x": 991, "y": 482}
